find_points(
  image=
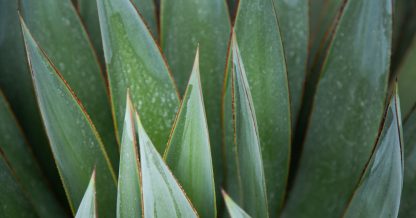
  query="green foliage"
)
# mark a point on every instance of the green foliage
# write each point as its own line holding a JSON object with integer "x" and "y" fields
{"x": 290, "y": 107}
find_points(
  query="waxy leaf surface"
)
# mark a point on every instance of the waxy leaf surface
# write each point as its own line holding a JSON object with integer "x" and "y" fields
{"x": 134, "y": 62}
{"x": 55, "y": 25}
{"x": 233, "y": 209}
{"x": 129, "y": 194}
{"x": 75, "y": 143}
{"x": 162, "y": 194}
{"x": 378, "y": 193}
{"x": 262, "y": 53}
{"x": 188, "y": 153}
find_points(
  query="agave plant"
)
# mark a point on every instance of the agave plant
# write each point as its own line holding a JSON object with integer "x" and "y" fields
{"x": 207, "y": 108}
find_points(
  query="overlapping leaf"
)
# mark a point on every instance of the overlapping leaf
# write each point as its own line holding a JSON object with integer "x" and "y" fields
{"x": 347, "y": 112}
{"x": 244, "y": 152}
{"x": 59, "y": 31}
{"x": 13, "y": 201}
{"x": 129, "y": 194}
{"x": 13, "y": 69}
{"x": 233, "y": 209}
{"x": 185, "y": 24}
{"x": 188, "y": 153}
{"x": 134, "y": 62}
{"x": 89, "y": 14}
{"x": 294, "y": 24}
{"x": 262, "y": 52}
{"x": 408, "y": 203}
{"x": 75, "y": 143}
{"x": 378, "y": 193}
{"x": 26, "y": 169}
{"x": 87, "y": 207}
{"x": 162, "y": 195}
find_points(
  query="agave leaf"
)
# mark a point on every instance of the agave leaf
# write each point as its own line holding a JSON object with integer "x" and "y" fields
{"x": 404, "y": 29}
{"x": 378, "y": 193}
{"x": 348, "y": 108}
{"x": 233, "y": 209}
{"x": 89, "y": 14}
{"x": 162, "y": 194}
{"x": 407, "y": 77}
{"x": 59, "y": 31}
{"x": 246, "y": 150}
{"x": 324, "y": 15}
{"x": 185, "y": 24}
{"x": 128, "y": 194}
{"x": 188, "y": 153}
{"x": 88, "y": 205}
{"x": 21, "y": 160}
{"x": 12, "y": 198}
{"x": 13, "y": 67}
{"x": 408, "y": 203}
{"x": 262, "y": 52}
{"x": 134, "y": 62}
{"x": 294, "y": 23}
{"x": 75, "y": 143}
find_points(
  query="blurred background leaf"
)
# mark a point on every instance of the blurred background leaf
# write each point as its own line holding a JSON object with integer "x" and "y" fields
{"x": 346, "y": 113}
{"x": 20, "y": 158}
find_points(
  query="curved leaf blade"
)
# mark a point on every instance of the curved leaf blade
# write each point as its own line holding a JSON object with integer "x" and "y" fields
{"x": 134, "y": 62}
{"x": 14, "y": 67}
{"x": 186, "y": 25}
{"x": 27, "y": 171}
{"x": 12, "y": 199}
{"x": 248, "y": 156}
{"x": 129, "y": 194}
{"x": 188, "y": 153}
{"x": 408, "y": 203}
{"x": 380, "y": 188}
{"x": 348, "y": 108}
{"x": 88, "y": 205}
{"x": 262, "y": 52}
{"x": 162, "y": 194}
{"x": 233, "y": 209}
{"x": 59, "y": 31}
{"x": 294, "y": 24}
{"x": 74, "y": 140}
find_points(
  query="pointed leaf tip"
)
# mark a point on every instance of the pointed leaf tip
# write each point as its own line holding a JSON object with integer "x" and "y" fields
{"x": 87, "y": 207}
{"x": 162, "y": 194}
{"x": 189, "y": 152}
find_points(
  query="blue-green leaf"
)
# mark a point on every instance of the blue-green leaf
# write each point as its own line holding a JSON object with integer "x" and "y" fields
{"x": 378, "y": 193}
{"x": 57, "y": 28}
{"x": 75, "y": 143}
{"x": 245, "y": 149}
{"x": 134, "y": 62}
{"x": 233, "y": 209}
{"x": 162, "y": 194}
{"x": 88, "y": 205}
{"x": 262, "y": 53}
{"x": 188, "y": 153}
{"x": 347, "y": 111}
{"x": 129, "y": 194}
